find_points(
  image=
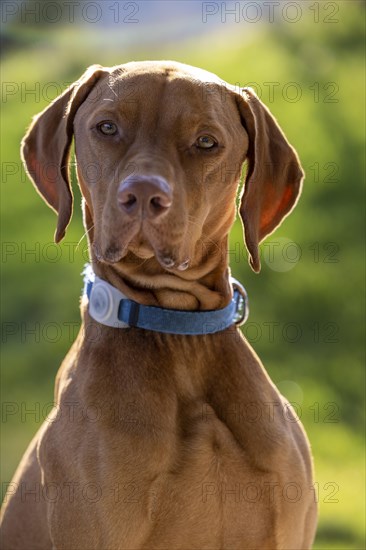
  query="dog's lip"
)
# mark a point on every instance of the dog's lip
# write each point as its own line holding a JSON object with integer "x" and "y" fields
{"x": 168, "y": 262}
{"x": 112, "y": 254}
{"x": 184, "y": 265}
{"x": 168, "y": 259}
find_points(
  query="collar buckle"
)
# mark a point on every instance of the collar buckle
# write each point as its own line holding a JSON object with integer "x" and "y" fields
{"x": 242, "y": 305}
{"x": 104, "y": 302}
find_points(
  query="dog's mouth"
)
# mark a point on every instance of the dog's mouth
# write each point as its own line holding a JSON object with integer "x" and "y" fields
{"x": 141, "y": 249}
{"x": 168, "y": 242}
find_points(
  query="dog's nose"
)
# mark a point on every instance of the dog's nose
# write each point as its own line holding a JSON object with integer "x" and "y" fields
{"x": 150, "y": 196}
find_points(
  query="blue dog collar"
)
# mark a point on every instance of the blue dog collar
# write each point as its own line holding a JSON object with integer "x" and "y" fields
{"x": 110, "y": 307}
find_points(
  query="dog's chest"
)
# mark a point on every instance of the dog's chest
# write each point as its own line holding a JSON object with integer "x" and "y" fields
{"x": 160, "y": 482}
{"x": 157, "y": 458}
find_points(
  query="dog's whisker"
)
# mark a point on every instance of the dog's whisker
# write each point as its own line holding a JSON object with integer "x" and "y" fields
{"x": 111, "y": 89}
{"x": 84, "y": 236}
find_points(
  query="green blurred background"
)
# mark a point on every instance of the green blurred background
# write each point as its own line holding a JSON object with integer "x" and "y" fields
{"x": 306, "y": 305}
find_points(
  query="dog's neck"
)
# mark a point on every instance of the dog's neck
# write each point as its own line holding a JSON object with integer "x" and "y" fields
{"x": 202, "y": 287}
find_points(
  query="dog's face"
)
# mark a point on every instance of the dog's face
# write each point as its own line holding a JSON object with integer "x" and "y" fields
{"x": 159, "y": 149}
{"x": 159, "y": 156}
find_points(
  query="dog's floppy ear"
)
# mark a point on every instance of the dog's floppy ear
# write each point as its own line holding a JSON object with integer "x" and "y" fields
{"x": 45, "y": 148}
{"x": 274, "y": 175}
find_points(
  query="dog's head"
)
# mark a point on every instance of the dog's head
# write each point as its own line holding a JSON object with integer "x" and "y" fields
{"x": 159, "y": 149}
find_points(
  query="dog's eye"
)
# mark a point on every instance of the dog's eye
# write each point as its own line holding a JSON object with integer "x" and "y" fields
{"x": 107, "y": 128}
{"x": 205, "y": 142}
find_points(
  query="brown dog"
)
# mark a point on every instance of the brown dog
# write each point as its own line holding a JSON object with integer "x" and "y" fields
{"x": 163, "y": 441}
